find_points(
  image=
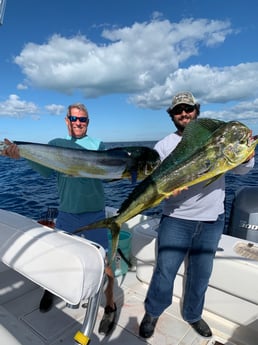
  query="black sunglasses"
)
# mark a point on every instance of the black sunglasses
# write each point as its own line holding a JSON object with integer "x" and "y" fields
{"x": 183, "y": 107}
{"x": 75, "y": 118}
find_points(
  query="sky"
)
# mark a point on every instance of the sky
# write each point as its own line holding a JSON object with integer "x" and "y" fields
{"x": 125, "y": 59}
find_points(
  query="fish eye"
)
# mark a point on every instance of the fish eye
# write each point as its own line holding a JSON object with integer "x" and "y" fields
{"x": 243, "y": 139}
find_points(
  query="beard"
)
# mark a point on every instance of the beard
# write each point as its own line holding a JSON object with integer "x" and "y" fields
{"x": 181, "y": 126}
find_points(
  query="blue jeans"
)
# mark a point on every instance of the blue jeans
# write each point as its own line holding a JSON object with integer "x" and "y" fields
{"x": 178, "y": 239}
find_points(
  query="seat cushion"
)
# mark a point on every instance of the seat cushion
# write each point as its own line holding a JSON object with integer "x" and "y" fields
{"x": 69, "y": 266}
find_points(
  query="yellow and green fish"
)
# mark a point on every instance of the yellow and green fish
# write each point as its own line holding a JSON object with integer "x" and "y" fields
{"x": 208, "y": 149}
{"x": 135, "y": 162}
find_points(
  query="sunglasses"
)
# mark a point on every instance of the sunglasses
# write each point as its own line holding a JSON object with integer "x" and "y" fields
{"x": 75, "y": 118}
{"x": 180, "y": 108}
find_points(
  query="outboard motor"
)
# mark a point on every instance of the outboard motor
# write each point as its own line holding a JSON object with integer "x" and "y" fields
{"x": 244, "y": 214}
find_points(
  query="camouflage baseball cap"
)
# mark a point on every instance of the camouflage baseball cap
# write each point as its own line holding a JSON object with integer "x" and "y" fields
{"x": 184, "y": 97}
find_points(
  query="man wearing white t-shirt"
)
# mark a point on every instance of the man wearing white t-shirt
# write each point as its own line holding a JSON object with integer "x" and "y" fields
{"x": 191, "y": 226}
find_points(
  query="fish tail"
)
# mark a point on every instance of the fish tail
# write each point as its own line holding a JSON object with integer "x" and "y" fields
{"x": 109, "y": 223}
{"x": 115, "y": 230}
{"x": 103, "y": 223}
{"x": 3, "y": 146}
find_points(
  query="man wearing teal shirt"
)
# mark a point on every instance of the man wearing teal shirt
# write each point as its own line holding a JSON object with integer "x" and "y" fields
{"x": 81, "y": 201}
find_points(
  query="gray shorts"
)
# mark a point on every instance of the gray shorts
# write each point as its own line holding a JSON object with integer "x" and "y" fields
{"x": 70, "y": 222}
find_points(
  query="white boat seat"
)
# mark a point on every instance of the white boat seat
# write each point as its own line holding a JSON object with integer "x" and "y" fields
{"x": 69, "y": 266}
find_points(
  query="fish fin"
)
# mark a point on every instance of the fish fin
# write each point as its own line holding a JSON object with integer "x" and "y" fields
{"x": 178, "y": 190}
{"x": 115, "y": 230}
{"x": 105, "y": 223}
{"x": 210, "y": 125}
{"x": 213, "y": 179}
{"x": 143, "y": 160}
{"x": 197, "y": 131}
{"x": 3, "y": 146}
{"x": 134, "y": 176}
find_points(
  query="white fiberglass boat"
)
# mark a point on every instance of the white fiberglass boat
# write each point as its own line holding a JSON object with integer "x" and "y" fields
{"x": 34, "y": 257}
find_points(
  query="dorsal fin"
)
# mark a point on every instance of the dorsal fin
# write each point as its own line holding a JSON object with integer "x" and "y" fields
{"x": 195, "y": 136}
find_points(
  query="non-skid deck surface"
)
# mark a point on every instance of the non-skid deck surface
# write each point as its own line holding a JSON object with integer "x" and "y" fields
{"x": 22, "y": 323}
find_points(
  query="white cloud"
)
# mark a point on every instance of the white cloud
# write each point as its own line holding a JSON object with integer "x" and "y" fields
{"x": 14, "y": 107}
{"x": 55, "y": 109}
{"x": 243, "y": 111}
{"x": 134, "y": 59}
{"x": 22, "y": 87}
{"x": 209, "y": 85}
{"x": 146, "y": 61}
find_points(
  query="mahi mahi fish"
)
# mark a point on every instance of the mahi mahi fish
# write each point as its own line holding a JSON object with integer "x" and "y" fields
{"x": 135, "y": 162}
{"x": 208, "y": 149}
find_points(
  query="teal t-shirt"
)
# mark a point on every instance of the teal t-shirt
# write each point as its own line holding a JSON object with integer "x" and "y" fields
{"x": 76, "y": 194}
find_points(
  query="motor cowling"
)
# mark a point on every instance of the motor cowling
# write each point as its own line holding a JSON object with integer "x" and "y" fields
{"x": 243, "y": 221}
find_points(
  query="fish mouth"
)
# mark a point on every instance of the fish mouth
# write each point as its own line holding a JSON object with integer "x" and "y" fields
{"x": 252, "y": 139}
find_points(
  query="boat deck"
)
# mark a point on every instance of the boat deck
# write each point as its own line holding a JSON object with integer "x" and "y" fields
{"x": 22, "y": 323}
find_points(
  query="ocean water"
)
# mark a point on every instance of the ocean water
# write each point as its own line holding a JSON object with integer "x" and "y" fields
{"x": 26, "y": 192}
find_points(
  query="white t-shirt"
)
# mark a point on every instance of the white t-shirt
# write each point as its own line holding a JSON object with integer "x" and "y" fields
{"x": 200, "y": 202}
